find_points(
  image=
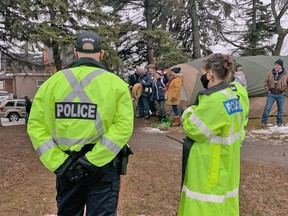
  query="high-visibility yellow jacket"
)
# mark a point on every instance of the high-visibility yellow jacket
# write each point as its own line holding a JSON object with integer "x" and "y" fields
{"x": 242, "y": 94}
{"x": 212, "y": 175}
{"x": 77, "y": 106}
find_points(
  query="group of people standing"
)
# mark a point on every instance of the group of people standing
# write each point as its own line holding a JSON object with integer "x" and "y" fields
{"x": 82, "y": 118}
{"x": 159, "y": 89}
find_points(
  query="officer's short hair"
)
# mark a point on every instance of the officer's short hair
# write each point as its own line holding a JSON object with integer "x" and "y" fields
{"x": 88, "y": 42}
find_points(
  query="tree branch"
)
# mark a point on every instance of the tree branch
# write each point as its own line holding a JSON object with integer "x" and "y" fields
{"x": 243, "y": 47}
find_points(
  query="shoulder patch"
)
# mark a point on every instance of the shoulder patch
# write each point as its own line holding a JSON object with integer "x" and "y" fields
{"x": 233, "y": 106}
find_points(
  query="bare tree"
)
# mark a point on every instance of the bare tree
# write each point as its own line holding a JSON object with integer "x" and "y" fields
{"x": 279, "y": 11}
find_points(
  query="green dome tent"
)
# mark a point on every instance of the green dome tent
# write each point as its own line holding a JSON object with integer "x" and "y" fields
{"x": 255, "y": 69}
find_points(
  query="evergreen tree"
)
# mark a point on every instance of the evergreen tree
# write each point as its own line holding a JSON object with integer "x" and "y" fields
{"x": 54, "y": 24}
{"x": 260, "y": 28}
{"x": 199, "y": 25}
{"x": 145, "y": 36}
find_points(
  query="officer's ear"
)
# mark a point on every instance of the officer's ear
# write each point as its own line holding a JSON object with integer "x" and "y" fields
{"x": 76, "y": 53}
{"x": 209, "y": 74}
{"x": 101, "y": 56}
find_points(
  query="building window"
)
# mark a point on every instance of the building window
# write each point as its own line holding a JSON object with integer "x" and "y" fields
{"x": 40, "y": 82}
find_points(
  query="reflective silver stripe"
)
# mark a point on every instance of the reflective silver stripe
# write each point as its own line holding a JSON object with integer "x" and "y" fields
{"x": 69, "y": 142}
{"x": 228, "y": 94}
{"x": 45, "y": 147}
{"x": 201, "y": 126}
{"x": 98, "y": 125}
{"x": 78, "y": 87}
{"x": 226, "y": 140}
{"x": 209, "y": 197}
{"x": 211, "y": 135}
{"x": 189, "y": 109}
{"x": 79, "y": 92}
{"x": 86, "y": 80}
{"x": 110, "y": 145}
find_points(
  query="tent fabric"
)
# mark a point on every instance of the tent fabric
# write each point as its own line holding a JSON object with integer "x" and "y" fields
{"x": 255, "y": 69}
{"x": 257, "y": 105}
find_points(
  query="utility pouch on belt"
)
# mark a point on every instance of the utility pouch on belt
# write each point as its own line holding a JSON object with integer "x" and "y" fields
{"x": 123, "y": 159}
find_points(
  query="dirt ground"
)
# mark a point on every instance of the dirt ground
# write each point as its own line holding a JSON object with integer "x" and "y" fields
{"x": 152, "y": 184}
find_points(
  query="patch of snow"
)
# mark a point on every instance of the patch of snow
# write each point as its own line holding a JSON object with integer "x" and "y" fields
{"x": 272, "y": 129}
{"x": 152, "y": 130}
{"x": 6, "y": 122}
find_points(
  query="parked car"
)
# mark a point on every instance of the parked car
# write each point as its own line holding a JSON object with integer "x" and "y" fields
{"x": 13, "y": 109}
{"x": 4, "y": 95}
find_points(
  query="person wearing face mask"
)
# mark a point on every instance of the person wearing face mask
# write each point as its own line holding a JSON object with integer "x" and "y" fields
{"x": 212, "y": 173}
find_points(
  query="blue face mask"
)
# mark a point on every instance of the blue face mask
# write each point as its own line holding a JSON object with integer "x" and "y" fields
{"x": 204, "y": 80}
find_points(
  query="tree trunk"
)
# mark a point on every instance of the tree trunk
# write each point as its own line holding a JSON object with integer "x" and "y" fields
{"x": 282, "y": 33}
{"x": 254, "y": 30}
{"x": 54, "y": 44}
{"x": 57, "y": 56}
{"x": 149, "y": 27}
{"x": 279, "y": 44}
{"x": 195, "y": 30}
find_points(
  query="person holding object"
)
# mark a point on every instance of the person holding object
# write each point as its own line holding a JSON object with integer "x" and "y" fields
{"x": 173, "y": 88}
{"x": 214, "y": 125}
{"x": 144, "y": 100}
{"x": 276, "y": 86}
{"x": 80, "y": 121}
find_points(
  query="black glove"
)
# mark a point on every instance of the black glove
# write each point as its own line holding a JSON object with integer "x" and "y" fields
{"x": 76, "y": 171}
{"x": 62, "y": 169}
{"x": 89, "y": 166}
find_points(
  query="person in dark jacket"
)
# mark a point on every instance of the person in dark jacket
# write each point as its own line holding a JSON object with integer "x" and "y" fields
{"x": 158, "y": 93}
{"x": 28, "y": 105}
{"x": 143, "y": 104}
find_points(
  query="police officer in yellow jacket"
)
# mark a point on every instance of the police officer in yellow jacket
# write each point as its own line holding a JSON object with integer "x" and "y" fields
{"x": 81, "y": 119}
{"x": 242, "y": 94}
{"x": 212, "y": 174}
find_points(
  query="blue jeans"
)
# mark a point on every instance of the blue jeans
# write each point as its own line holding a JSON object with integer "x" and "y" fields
{"x": 175, "y": 110}
{"x": 271, "y": 98}
{"x": 26, "y": 117}
{"x": 143, "y": 106}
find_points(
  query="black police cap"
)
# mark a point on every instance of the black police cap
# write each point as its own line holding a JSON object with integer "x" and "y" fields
{"x": 88, "y": 42}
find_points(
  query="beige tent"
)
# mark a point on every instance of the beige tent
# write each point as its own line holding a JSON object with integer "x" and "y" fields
{"x": 255, "y": 69}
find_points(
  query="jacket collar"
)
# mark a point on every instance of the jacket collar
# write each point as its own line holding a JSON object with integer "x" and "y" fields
{"x": 215, "y": 88}
{"x": 87, "y": 62}
{"x": 279, "y": 72}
